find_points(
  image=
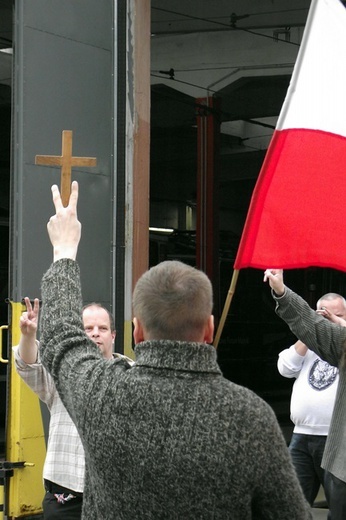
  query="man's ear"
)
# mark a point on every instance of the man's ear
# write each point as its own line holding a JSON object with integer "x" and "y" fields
{"x": 209, "y": 330}
{"x": 138, "y": 334}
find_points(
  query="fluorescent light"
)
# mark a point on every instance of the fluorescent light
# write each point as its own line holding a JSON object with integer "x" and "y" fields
{"x": 162, "y": 230}
{"x": 9, "y": 50}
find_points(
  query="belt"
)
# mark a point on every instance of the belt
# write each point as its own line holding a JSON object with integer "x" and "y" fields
{"x": 56, "y": 488}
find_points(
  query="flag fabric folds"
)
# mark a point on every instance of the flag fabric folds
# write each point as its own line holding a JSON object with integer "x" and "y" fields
{"x": 297, "y": 214}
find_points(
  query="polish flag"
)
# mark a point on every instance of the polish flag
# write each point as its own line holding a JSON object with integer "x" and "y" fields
{"x": 297, "y": 214}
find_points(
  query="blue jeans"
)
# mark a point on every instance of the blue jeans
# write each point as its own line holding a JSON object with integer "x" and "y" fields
{"x": 335, "y": 490}
{"x": 306, "y": 452}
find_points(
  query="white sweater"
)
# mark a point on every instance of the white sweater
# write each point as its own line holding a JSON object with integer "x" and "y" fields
{"x": 313, "y": 392}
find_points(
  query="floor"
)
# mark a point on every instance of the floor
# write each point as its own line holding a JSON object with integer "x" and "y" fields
{"x": 320, "y": 513}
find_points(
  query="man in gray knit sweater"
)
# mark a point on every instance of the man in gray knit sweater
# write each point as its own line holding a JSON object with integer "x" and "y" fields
{"x": 328, "y": 340}
{"x": 169, "y": 438}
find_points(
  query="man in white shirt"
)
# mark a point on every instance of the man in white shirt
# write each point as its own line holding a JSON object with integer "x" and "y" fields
{"x": 312, "y": 400}
{"x": 64, "y": 466}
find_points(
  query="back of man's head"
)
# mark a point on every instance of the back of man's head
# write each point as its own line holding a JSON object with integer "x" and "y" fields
{"x": 173, "y": 301}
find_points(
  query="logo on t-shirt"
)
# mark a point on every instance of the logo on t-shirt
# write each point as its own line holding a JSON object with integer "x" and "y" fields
{"x": 322, "y": 375}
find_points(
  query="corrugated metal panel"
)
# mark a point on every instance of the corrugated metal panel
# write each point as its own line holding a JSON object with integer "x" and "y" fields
{"x": 63, "y": 81}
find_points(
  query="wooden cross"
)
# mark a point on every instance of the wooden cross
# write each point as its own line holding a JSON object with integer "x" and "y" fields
{"x": 66, "y": 161}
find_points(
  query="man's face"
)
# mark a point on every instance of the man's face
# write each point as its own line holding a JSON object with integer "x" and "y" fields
{"x": 97, "y": 327}
{"x": 336, "y": 307}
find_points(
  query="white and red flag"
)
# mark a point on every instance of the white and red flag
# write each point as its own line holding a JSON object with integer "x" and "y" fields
{"x": 297, "y": 214}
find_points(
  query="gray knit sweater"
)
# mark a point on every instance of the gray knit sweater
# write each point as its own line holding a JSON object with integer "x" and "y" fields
{"x": 169, "y": 438}
{"x": 327, "y": 340}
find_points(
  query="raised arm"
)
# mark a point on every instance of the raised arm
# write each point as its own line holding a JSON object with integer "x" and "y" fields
{"x": 331, "y": 317}
{"x": 300, "y": 348}
{"x": 322, "y": 336}
{"x": 64, "y": 228}
{"x": 275, "y": 277}
{"x": 28, "y": 322}
{"x": 66, "y": 351}
{"x": 291, "y": 360}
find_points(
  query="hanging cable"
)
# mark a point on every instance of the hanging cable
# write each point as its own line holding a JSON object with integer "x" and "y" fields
{"x": 232, "y": 25}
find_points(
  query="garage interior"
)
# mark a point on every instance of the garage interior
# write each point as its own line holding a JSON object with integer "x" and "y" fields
{"x": 219, "y": 75}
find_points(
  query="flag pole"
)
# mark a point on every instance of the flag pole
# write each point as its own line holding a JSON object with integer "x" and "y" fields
{"x": 226, "y": 307}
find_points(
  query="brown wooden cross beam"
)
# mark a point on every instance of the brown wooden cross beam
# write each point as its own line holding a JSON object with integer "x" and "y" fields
{"x": 66, "y": 161}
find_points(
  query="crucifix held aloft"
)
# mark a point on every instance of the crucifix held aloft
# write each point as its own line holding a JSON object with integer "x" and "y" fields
{"x": 66, "y": 161}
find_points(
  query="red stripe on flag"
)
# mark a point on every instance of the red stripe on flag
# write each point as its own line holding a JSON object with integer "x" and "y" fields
{"x": 297, "y": 212}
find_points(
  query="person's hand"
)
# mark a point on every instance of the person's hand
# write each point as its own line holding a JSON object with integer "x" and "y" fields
{"x": 29, "y": 320}
{"x": 64, "y": 228}
{"x": 331, "y": 317}
{"x": 276, "y": 280}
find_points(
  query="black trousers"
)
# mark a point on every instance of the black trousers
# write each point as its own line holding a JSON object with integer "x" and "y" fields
{"x": 61, "y": 510}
